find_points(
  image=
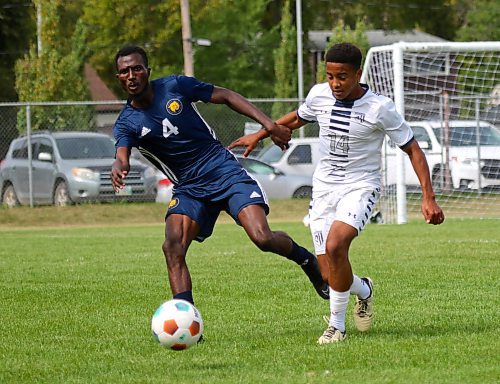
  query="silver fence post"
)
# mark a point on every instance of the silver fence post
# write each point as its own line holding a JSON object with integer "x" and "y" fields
{"x": 30, "y": 153}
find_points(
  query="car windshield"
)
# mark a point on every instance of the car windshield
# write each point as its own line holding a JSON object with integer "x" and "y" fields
{"x": 86, "y": 147}
{"x": 466, "y": 136}
{"x": 254, "y": 166}
{"x": 271, "y": 154}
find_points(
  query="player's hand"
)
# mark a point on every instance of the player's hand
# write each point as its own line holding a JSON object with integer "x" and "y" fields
{"x": 281, "y": 135}
{"x": 248, "y": 141}
{"x": 433, "y": 214}
{"x": 117, "y": 176}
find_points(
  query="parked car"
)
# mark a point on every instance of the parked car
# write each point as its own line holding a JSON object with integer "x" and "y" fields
{"x": 465, "y": 170}
{"x": 276, "y": 183}
{"x": 300, "y": 159}
{"x": 69, "y": 167}
{"x": 473, "y": 160}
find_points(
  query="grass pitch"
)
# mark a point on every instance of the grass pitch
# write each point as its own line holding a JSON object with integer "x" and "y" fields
{"x": 76, "y": 305}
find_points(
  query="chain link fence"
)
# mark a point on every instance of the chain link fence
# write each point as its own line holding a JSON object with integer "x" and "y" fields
{"x": 51, "y": 164}
{"x": 60, "y": 154}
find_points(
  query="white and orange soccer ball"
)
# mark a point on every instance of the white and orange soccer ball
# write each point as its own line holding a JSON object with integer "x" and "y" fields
{"x": 177, "y": 324}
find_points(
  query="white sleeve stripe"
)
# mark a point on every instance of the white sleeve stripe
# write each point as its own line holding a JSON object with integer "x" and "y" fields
{"x": 164, "y": 168}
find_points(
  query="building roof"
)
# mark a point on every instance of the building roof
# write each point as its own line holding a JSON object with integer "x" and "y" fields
{"x": 99, "y": 91}
{"x": 318, "y": 39}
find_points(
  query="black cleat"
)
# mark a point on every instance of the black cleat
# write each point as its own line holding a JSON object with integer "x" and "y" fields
{"x": 311, "y": 269}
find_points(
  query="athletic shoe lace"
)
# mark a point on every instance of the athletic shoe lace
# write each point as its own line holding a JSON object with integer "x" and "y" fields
{"x": 363, "y": 306}
{"x": 330, "y": 332}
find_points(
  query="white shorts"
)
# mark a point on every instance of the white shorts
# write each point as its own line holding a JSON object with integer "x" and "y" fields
{"x": 351, "y": 206}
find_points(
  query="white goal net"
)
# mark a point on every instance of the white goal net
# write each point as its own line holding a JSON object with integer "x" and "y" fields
{"x": 450, "y": 95}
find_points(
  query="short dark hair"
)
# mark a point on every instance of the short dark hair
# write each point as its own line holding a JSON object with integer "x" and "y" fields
{"x": 130, "y": 49}
{"x": 344, "y": 53}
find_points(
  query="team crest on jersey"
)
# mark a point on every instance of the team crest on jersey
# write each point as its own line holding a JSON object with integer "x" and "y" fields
{"x": 173, "y": 203}
{"x": 359, "y": 116}
{"x": 174, "y": 106}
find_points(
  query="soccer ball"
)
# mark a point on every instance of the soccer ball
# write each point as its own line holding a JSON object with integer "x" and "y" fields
{"x": 177, "y": 324}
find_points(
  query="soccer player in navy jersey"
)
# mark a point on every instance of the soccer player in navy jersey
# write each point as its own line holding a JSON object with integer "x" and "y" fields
{"x": 161, "y": 120}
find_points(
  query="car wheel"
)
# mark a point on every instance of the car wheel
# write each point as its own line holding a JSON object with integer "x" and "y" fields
{"x": 302, "y": 193}
{"x": 61, "y": 195}
{"x": 9, "y": 197}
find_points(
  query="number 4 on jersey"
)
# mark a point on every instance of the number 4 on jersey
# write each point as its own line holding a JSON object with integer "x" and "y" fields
{"x": 169, "y": 128}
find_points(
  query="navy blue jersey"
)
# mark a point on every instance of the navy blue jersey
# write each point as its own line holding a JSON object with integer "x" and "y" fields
{"x": 174, "y": 137}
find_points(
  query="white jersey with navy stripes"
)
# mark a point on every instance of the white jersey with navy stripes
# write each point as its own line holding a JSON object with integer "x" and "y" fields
{"x": 351, "y": 135}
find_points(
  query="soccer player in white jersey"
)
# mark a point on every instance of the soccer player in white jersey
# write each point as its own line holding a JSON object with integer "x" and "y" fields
{"x": 353, "y": 121}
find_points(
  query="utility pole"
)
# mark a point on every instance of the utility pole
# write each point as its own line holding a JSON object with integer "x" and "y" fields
{"x": 39, "y": 27}
{"x": 187, "y": 44}
{"x": 300, "y": 70}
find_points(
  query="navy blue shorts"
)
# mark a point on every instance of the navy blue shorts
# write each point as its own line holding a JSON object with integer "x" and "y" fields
{"x": 205, "y": 211}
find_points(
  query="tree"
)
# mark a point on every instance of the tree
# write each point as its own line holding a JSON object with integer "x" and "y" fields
{"x": 54, "y": 74}
{"x": 243, "y": 38}
{"x": 17, "y": 27}
{"x": 482, "y": 22}
{"x": 285, "y": 70}
{"x": 342, "y": 33}
{"x": 152, "y": 24}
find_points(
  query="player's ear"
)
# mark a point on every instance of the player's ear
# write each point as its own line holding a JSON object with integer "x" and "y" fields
{"x": 358, "y": 74}
{"x": 149, "y": 71}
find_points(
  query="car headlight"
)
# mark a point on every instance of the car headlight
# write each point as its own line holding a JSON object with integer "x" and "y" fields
{"x": 85, "y": 174}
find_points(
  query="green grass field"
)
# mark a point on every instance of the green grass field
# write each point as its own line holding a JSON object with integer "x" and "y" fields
{"x": 76, "y": 305}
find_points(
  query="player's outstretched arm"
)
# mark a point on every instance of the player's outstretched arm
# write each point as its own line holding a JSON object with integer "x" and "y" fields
{"x": 430, "y": 209}
{"x": 280, "y": 134}
{"x": 120, "y": 168}
{"x": 249, "y": 141}
{"x": 290, "y": 120}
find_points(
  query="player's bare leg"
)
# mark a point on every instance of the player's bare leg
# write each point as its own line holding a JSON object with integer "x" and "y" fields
{"x": 180, "y": 231}
{"x": 254, "y": 221}
{"x": 323, "y": 267}
{"x": 340, "y": 279}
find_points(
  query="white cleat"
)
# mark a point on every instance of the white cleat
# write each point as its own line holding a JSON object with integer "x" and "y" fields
{"x": 363, "y": 309}
{"x": 331, "y": 335}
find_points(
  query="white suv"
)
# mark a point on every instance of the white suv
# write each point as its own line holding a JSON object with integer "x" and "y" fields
{"x": 468, "y": 141}
{"x": 300, "y": 159}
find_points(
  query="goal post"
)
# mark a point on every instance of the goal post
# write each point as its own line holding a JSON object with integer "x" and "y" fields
{"x": 449, "y": 93}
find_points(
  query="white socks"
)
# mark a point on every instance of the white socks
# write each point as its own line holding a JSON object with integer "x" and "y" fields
{"x": 340, "y": 300}
{"x": 360, "y": 288}
{"x": 338, "y": 308}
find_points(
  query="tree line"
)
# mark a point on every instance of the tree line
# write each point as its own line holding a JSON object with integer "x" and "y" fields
{"x": 252, "y": 42}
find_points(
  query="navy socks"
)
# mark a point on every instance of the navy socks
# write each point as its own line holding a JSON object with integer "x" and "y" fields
{"x": 186, "y": 295}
